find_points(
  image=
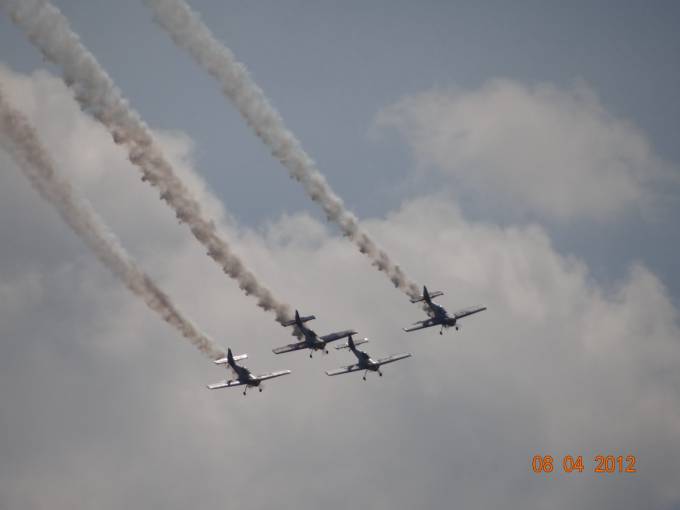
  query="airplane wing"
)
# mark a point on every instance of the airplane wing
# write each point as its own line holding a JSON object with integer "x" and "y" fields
{"x": 469, "y": 311}
{"x": 393, "y": 358}
{"x": 290, "y": 347}
{"x": 421, "y": 325}
{"x": 344, "y": 370}
{"x": 337, "y": 336}
{"x": 224, "y": 384}
{"x": 271, "y": 375}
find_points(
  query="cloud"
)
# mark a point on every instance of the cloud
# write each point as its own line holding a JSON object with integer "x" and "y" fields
{"x": 549, "y": 151}
{"x": 100, "y": 404}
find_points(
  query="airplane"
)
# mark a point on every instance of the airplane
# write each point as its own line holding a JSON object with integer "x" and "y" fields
{"x": 244, "y": 377}
{"x": 365, "y": 362}
{"x": 438, "y": 315}
{"x": 311, "y": 340}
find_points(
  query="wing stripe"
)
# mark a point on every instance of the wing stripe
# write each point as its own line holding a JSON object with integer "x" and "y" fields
{"x": 343, "y": 370}
{"x": 225, "y": 384}
{"x": 393, "y": 358}
{"x": 271, "y": 375}
{"x": 423, "y": 325}
{"x": 469, "y": 311}
{"x": 290, "y": 348}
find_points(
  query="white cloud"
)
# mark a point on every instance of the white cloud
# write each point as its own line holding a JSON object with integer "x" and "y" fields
{"x": 542, "y": 149}
{"x": 102, "y": 404}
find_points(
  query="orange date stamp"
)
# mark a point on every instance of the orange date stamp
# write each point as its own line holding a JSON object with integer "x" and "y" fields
{"x": 604, "y": 464}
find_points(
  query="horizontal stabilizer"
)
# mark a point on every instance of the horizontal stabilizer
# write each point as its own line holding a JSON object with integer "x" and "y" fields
{"x": 356, "y": 342}
{"x": 224, "y": 361}
{"x": 433, "y": 294}
{"x": 302, "y": 319}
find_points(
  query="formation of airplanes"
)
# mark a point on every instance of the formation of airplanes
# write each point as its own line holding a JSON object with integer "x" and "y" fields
{"x": 311, "y": 341}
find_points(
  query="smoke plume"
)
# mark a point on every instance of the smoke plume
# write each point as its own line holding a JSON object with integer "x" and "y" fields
{"x": 22, "y": 142}
{"x": 189, "y": 32}
{"x": 96, "y": 93}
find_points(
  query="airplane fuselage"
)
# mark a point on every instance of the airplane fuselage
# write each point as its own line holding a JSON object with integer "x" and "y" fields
{"x": 244, "y": 375}
{"x": 312, "y": 339}
{"x": 252, "y": 382}
{"x": 441, "y": 316}
{"x": 365, "y": 361}
{"x": 372, "y": 365}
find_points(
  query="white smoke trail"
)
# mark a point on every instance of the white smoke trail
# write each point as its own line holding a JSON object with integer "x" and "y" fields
{"x": 94, "y": 90}
{"x": 189, "y": 32}
{"x": 22, "y": 142}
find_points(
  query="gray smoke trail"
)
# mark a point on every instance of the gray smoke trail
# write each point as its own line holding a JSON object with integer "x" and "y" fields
{"x": 94, "y": 90}
{"x": 189, "y": 32}
{"x": 22, "y": 142}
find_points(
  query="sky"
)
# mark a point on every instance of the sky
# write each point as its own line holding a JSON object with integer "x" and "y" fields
{"x": 523, "y": 157}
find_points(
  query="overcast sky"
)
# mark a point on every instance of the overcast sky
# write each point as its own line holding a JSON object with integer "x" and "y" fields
{"x": 522, "y": 156}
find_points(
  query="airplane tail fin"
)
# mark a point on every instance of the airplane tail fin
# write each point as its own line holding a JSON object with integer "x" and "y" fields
{"x": 298, "y": 321}
{"x": 427, "y": 296}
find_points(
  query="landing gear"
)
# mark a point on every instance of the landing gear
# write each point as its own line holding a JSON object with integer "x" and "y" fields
{"x": 310, "y": 355}
{"x": 441, "y": 331}
{"x": 364, "y": 377}
{"x": 244, "y": 393}
{"x": 379, "y": 373}
{"x": 260, "y": 390}
{"x": 325, "y": 351}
